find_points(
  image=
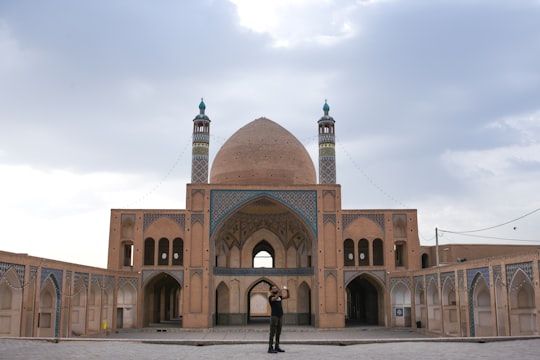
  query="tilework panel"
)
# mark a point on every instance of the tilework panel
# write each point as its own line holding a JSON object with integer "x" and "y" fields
{"x": 329, "y": 217}
{"x": 263, "y": 271}
{"x": 223, "y": 202}
{"x": 149, "y": 274}
{"x": 56, "y": 277}
{"x": 347, "y": 219}
{"x": 83, "y": 276}
{"x": 197, "y": 218}
{"x": 180, "y": 219}
{"x": 526, "y": 267}
{"x": 404, "y": 280}
{"x": 133, "y": 281}
{"x": 348, "y": 276}
{"x": 447, "y": 275}
{"x": 432, "y": 277}
{"x": 471, "y": 273}
{"x": 19, "y": 269}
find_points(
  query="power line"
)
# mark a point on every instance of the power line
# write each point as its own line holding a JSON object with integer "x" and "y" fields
{"x": 162, "y": 180}
{"x": 493, "y": 237}
{"x": 491, "y": 227}
{"x": 369, "y": 179}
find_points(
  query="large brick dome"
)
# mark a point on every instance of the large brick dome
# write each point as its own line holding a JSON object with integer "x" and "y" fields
{"x": 263, "y": 153}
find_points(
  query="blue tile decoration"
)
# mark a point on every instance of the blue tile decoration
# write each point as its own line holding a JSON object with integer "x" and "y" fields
{"x": 133, "y": 281}
{"x": 403, "y": 280}
{"x": 347, "y": 219}
{"x": 497, "y": 274}
{"x": 263, "y": 271}
{"x": 197, "y": 218}
{"x": 19, "y": 269}
{"x": 419, "y": 283}
{"x": 526, "y": 267}
{"x": 471, "y": 273}
{"x": 461, "y": 280}
{"x": 224, "y": 202}
{"x": 148, "y": 219}
{"x": 473, "y": 276}
{"x": 434, "y": 278}
{"x": 448, "y": 275}
{"x": 329, "y": 218}
{"x": 83, "y": 276}
{"x": 56, "y": 278}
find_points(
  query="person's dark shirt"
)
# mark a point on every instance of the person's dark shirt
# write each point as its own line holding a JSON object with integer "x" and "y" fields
{"x": 277, "y": 309}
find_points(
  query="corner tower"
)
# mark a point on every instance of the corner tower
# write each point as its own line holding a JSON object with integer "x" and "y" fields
{"x": 201, "y": 143}
{"x": 327, "y": 148}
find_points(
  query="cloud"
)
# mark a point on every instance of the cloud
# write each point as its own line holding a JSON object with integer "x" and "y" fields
{"x": 300, "y": 22}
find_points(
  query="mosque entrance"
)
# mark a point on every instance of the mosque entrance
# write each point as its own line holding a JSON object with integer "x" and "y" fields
{"x": 364, "y": 301}
{"x": 162, "y": 302}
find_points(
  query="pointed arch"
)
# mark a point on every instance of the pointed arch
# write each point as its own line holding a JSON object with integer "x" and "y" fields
{"x": 400, "y": 296}
{"x": 480, "y": 307}
{"x": 10, "y": 303}
{"x": 365, "y": 295}
{"x": 78, "y": 308}
{"x": 49, "y": 308}
{"x": 258, "y": 307}
{"x": 162, "y": 300}
{"x": 126, "y": 316}
{"x": 223, "y": 304}
{"x": 522, "y": 305}
{"x": 450, "y": 309}
{"x": 303, "y": 304}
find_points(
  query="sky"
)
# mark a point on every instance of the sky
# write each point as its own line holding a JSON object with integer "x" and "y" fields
{"x": 436, "y": 103}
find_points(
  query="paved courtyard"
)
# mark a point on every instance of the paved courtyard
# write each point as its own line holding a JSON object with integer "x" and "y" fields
{"x": 246, "y": 343}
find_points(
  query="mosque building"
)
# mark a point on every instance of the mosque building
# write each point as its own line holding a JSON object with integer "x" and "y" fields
{"x": 261, "y": 203}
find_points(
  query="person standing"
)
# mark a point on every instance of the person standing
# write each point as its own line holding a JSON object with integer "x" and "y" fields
{"x": 276, "y": 316}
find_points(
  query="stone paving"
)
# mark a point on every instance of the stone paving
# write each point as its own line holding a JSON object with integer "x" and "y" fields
{"x": 250, "y": 343}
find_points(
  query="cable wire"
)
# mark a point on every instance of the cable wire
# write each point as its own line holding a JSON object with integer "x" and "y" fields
{"x": 491, "y": 227}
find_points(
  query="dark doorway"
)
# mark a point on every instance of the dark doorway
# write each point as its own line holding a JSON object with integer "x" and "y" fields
{"x": 362, "y": 302}
{"x": 162, "y": 301}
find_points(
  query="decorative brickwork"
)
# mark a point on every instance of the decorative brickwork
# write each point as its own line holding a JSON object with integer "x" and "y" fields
{"x": 526, "y": 267}
{"x": 180, "y": 219}
{"x": 223, "y": 202}
{"x": 347, "y": 219}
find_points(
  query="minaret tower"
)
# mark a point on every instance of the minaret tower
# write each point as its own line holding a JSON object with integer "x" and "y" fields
{"x": 327, "y": 148}
{"x": 201, "y": 143}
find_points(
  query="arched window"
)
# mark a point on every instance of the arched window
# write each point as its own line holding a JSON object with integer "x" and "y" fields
{"x": 163, "y": 251}
{"x": 263, "y": 255}
{"x": 178, "y": 251}
{"x": 425, "y": 261}
{"x": 149, "y": 249}
{"x": 348, "y": 252}
{"x": 378, "y": 252}
{"x": 363, "y": 252}
{"x": 127, "y": 253}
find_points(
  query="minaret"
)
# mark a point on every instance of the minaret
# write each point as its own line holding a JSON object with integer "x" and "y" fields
{"x": 327, "y": 148}
{"x": 201, "y": 143}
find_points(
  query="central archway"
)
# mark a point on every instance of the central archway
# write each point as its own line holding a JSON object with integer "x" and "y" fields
{"x": 162, "y": 301}
{"x": 365, "y": 301}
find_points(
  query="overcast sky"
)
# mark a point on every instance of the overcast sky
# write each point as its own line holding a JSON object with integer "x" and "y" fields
{"x": 437, "y": 108}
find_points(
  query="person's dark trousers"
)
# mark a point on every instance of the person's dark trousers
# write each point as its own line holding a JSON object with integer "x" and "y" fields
{"x": 275, "y": 330}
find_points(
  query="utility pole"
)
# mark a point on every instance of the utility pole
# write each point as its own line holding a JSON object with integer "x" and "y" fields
{"x": 437, "y": 246}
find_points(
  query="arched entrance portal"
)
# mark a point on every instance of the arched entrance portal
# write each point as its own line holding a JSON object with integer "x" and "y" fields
{"x": 258, "y": 305}
{"x": 364, "y": 302}
{"x": 162, "y": 301}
